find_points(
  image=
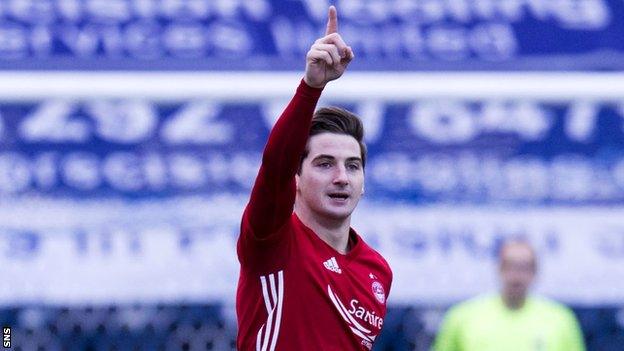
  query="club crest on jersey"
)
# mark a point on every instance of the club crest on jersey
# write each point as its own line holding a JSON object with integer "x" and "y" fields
{"x": 379, "y": 292}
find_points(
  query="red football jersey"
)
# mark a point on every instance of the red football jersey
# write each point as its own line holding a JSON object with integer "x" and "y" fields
{"x": 296, "y": 292}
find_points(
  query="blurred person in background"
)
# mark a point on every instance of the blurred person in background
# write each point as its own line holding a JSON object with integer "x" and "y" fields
{"x": 512, "y": 320}
{"x": 308, "y": 281}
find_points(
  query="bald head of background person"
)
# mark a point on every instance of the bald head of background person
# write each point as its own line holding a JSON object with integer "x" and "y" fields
{"x": 511, "y": 319}
{"x": 517, "y": 267}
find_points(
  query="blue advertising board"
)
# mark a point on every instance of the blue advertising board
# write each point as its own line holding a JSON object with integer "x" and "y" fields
{"x": 144, "y": 197}
{"x": 425, "y": 151}
{"x": 276, "y": 34}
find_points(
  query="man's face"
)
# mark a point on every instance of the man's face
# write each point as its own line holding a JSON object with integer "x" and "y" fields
{"x": 331, "y": 180}
{"x": 517, "y": 270}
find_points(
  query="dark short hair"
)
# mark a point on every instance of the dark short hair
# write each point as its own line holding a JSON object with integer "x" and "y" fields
{"x": 338, "y": 121}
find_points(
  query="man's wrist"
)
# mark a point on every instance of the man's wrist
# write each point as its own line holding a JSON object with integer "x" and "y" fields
{"x": 309, "y": 92}
{"x": 305, "y": 80}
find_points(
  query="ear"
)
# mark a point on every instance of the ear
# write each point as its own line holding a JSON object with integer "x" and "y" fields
{"x": 362, "y": 190}
{"x": 297, "y": 182}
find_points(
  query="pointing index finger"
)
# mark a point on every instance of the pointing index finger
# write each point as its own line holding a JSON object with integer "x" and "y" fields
{"x": 332, "y": 21}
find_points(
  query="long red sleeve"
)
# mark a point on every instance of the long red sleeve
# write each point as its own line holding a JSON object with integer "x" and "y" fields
{"x": 273, "y": 195}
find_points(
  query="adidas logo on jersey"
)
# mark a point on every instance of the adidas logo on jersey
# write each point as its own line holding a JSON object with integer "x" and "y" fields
{"x": 332, "y": 265}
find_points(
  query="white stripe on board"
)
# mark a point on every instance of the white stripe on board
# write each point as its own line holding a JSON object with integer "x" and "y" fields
{"x": 251, "y": 86}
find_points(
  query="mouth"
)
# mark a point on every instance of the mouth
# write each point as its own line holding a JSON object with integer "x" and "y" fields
{"x": 339, "y": 196}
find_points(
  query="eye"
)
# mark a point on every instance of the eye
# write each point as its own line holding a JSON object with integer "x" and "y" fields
{"x": 324, "y": 165}
{"x": 353, "y": 166}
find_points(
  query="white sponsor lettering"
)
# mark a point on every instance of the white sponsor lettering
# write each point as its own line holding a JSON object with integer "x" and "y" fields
{"x": 365, "y": 315}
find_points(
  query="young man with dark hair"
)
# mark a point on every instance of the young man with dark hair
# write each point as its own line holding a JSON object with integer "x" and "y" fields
{"x": 308, "y": 281}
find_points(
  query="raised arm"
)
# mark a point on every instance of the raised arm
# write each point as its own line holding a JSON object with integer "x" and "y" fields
{"x": 273, "y": 194}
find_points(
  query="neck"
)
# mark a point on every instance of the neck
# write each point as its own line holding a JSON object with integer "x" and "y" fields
{"x": 335, "y": 232}
{"x": 514, "y": 303}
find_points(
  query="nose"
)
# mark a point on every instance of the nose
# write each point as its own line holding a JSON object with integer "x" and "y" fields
{"x": 341, "y": 177}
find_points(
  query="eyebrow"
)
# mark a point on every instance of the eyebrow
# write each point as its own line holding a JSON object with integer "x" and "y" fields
{"x": 330, "y": 157}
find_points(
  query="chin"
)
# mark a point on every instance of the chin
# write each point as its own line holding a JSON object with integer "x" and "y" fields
{"x": 337, "y": 214}
{"x": 518, "y": 295}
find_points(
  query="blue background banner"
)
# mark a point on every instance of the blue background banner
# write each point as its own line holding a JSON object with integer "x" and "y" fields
{"x": 423, "y": 152}
{"x": 276, "y": 34}
{"x": 130, "y": 190}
